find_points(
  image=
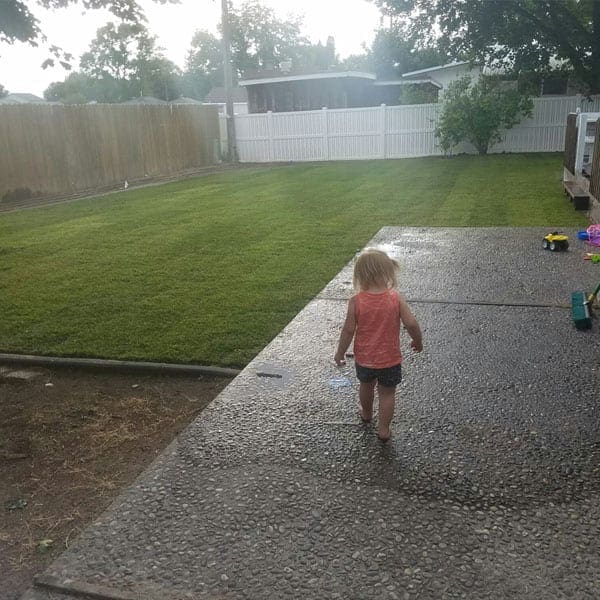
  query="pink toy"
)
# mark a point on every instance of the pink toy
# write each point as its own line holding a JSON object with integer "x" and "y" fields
{"x": 594, "y": 235}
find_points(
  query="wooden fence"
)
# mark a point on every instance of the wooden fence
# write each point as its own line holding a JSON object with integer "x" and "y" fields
{"x": 54, "y": 150}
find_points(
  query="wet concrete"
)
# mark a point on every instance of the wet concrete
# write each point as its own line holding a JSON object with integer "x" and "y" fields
{"x": 489, "y": 487}
{"x": 485, "y": 265}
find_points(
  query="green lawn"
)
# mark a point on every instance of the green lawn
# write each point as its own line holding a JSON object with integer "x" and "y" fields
{"x": 209, "y": 270}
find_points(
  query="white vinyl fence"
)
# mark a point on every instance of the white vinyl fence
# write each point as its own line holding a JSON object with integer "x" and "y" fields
{"x": 388, "y": 132}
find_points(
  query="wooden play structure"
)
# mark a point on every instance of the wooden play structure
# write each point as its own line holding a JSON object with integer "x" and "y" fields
{"x": 581, "y": 162}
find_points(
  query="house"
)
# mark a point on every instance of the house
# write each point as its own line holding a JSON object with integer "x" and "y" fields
{"x": 281, "y": 91}
{"x": 441, "y": 76}
{"x": 284, "y": 91}
{"x": 559, "y": 84}
{"x": 22, "y": 99}
{"x": 185, "y": 100}
{"x": 217, "y": 97}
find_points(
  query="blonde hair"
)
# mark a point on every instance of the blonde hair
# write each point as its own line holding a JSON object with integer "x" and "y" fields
{"x": 375, "y": 268}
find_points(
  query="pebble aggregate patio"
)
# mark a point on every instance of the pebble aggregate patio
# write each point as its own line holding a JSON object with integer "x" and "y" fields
{"x": 489, "y": 487}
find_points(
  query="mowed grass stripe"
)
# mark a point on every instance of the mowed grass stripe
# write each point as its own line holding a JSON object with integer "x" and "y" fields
{"x": 209, "y": 270}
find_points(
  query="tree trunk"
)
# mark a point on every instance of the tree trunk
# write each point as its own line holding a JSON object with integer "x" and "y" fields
{"x": 481, "y": 146}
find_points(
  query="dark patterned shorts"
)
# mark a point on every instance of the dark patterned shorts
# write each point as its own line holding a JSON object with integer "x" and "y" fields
{"x": 388, "y": 377}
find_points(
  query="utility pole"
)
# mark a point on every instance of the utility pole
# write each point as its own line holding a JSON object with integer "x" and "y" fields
{"x": 232, "y": 153}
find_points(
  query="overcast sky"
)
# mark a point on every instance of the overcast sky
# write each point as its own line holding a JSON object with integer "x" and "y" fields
{"x": 350, "y": 22}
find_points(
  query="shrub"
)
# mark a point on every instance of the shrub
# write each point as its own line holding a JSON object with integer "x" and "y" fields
{"x": 479, "y": 112}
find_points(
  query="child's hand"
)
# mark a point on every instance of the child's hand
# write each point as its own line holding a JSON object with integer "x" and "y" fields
{"x": 340, "y": 361}
{"x": 416, "y": 346}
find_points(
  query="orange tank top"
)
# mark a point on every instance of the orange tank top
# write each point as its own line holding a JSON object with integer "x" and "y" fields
{"x": 377, "y": 335}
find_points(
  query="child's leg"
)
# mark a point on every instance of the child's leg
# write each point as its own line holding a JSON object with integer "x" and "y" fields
{"x": 366, "y": 395}
{"x": 387, "y": 400}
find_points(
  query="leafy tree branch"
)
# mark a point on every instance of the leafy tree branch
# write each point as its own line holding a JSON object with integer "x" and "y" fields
{"x": 517, "y": 35}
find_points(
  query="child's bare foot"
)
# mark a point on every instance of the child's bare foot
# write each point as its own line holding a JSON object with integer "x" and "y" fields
{"x": 384, "y": 434}
{"x": 363, "y": 415}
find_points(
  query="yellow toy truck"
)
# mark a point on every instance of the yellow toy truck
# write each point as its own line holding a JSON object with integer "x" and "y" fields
{"x": 555, "y": 242}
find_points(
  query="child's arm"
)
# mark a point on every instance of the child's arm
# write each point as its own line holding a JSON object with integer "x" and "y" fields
{"x": 411, "y": 325}
{"x": 346, "y": 335}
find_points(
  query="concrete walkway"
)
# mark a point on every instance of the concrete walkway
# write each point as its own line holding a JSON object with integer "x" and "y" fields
{"x": 489, "y": 488}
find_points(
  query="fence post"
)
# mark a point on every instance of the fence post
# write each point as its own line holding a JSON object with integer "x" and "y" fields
{"x": 581, "y": 134}
{"x": 325, "y": 132}
{"x": 270, "y": 134}
{"x": 224, "y": 142}
{"x": 382, "y": 130}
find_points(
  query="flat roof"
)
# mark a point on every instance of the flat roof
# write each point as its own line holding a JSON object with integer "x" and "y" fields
{"x": 392, "y": 82}
{"x": 438, "y": 68}
{"x": 330, "y": 75}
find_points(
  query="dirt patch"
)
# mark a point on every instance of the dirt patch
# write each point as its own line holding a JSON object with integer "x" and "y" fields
{"x": 69, "y": 442}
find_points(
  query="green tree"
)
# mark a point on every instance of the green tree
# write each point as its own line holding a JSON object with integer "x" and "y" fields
{"x": 122, "y": 62}
{"x": 203, "y": 65}
{"x": 259, "y": 40}
{"x": 357, "y": 62}
{"x": 156, "y": 76}
{"x": 205, "y": 56}
{"x": 18, "y": 22}
{"x": 318, "y": 56}
{"x": 3, "y": 91}
{"x": 479, "y": 113}
{"x": 78, "y": 88}
{"x": 75, "y": 89}
{"x": 115, "y": 50}
{"x": 395, "y": 50}
{"x": 520, "y": 35}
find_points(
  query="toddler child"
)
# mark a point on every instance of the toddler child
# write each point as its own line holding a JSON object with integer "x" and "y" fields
{"x": 373, "y": 320}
